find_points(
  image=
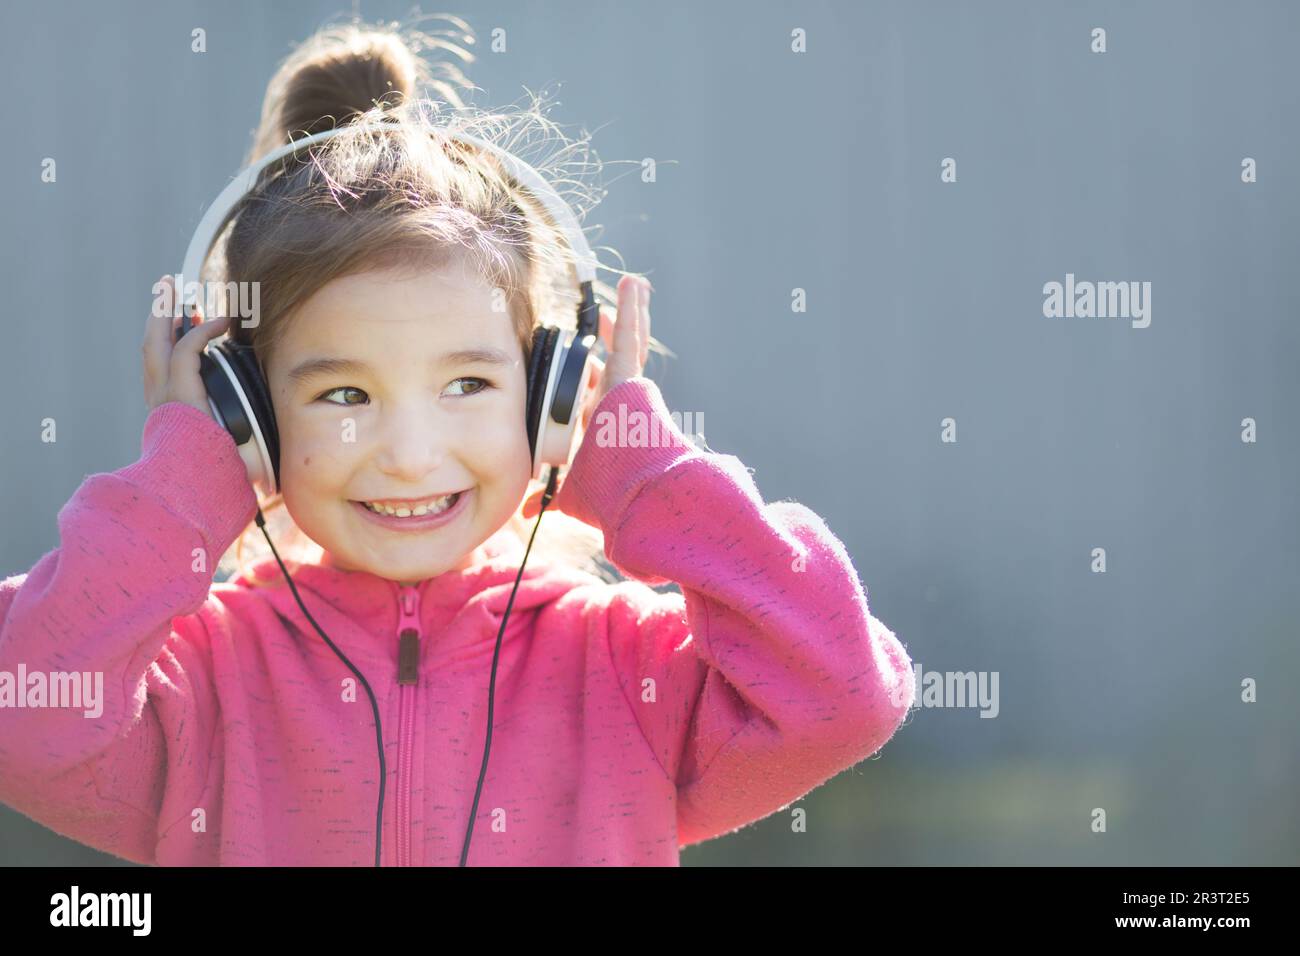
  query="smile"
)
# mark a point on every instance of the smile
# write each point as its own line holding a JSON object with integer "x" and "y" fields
{"x": 407, "y": 508}
{"x": 415, "y": 515}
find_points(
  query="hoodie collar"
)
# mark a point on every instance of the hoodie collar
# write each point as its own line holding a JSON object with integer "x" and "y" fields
{"x": 372, "y": 603}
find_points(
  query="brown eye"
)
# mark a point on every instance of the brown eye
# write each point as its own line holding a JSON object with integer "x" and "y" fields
{"x": 345, "y": 388}
{"x": 483, "y": 385}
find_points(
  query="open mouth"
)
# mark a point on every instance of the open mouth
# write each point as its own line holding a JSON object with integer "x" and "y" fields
{"x": 414, "y": 509}
{"x": 415, "y": 514}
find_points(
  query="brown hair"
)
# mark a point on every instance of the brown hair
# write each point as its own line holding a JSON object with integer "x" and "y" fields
{"x": 395, "y": 191}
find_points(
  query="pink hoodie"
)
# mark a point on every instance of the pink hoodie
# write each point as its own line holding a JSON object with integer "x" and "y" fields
{"x": 627, "y": 722}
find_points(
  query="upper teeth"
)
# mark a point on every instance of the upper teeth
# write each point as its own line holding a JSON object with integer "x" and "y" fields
{"x": 407, "y": 511}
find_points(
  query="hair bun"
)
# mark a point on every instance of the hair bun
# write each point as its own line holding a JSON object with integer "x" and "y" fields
{"x": 337, "y": 74}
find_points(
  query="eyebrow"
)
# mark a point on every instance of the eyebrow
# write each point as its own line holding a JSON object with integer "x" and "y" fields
{"x": 312, "y": 368}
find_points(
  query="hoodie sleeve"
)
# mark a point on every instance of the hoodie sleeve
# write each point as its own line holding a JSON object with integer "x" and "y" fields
{"x": 767, "y": 675}
{"x": 116, "y": 602}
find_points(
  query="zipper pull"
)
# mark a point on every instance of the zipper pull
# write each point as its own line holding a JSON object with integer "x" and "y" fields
{"x": 408, "y": 647}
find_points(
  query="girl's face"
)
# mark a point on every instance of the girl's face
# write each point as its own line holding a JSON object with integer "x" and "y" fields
{"x": 388, "y": 386}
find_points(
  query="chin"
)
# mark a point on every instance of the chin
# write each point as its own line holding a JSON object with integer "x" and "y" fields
{"x": 419, "y": 570}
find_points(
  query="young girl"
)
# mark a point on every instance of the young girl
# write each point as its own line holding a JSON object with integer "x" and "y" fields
{"x": 628, "y": 721}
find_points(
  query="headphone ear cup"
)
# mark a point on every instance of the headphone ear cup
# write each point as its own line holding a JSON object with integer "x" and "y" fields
{"x": 540, "y": 359}
{"x": 563, "y": 389}
{"x": 238, "y": 393}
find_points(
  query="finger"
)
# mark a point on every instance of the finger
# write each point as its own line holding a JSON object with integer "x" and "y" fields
{"x": 156, "y": 347}
{"x": 622, "y": 358}
{"x": 644, "y": 337}
{"x": 607, "y": 330}
{"x": 634, "y": 361}
{"x": 185, "y": 356}
{"x": 196, "y": 319}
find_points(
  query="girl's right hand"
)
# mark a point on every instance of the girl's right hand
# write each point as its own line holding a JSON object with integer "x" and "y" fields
{"x": 171, "y": 372}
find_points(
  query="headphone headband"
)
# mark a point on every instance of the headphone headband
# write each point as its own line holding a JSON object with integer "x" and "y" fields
{"x": 216, "y": 216}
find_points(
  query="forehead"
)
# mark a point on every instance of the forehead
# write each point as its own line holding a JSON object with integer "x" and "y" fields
{"x": 424, "y": 311}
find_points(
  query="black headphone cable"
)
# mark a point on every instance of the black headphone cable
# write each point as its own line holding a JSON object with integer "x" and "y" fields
{"x": 492, "y": 684}
{"x": 379, "y": 733}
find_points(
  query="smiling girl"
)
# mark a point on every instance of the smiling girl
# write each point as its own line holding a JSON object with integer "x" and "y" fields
{"x": 383, "y": 333}
{"x": 629, "y": 721}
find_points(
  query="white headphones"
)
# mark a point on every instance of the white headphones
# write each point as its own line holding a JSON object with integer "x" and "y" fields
{"x": 558, "y": 362}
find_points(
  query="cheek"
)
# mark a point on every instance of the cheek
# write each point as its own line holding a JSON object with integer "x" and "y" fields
{"x": 310, "y": 459}
{"x": 502, "y": 440}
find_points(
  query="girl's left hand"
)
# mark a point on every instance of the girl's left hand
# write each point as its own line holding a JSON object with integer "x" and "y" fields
{"x": 627, "y": 340}
{"x": 627, "y": 344}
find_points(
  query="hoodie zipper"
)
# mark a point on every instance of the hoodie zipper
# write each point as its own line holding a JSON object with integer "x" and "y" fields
{"x": 408, "y": 676}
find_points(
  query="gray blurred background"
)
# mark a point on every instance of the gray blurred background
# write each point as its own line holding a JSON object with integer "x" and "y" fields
{"x": 821, "y": 171}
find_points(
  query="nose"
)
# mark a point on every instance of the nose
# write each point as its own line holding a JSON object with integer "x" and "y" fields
{"x": 412, "y": 442}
